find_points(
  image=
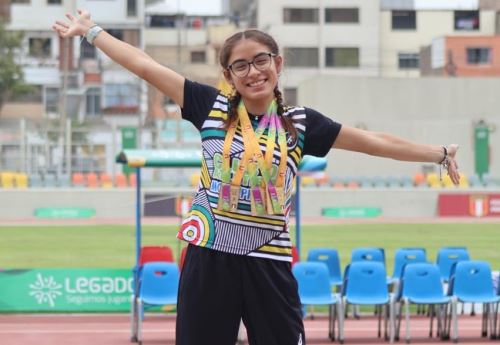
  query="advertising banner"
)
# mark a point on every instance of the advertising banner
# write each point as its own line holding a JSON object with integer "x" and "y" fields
{"x": 352, "y": 212}
{"x": 68, "y": 290}
{"x": 469, "y": 204}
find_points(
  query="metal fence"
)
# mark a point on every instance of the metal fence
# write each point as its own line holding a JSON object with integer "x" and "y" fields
{"x": 54, "y": 151}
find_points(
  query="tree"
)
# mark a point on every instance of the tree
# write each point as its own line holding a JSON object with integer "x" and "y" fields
{"x": 11, "y": 74}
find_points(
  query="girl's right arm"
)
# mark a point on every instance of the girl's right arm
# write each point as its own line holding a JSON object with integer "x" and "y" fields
{"x": 133, "y": 59}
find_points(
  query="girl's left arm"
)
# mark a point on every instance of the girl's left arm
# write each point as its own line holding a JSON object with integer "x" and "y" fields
{"x": 390, "y": 146}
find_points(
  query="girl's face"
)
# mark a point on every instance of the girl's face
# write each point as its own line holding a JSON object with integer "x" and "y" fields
{"x": 257, "y": 86}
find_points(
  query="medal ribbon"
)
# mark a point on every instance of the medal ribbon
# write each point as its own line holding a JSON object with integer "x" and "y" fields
{"x": 253, "y": 157}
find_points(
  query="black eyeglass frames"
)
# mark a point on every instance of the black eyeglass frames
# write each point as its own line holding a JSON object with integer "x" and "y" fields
{"x": 261, "y": 62}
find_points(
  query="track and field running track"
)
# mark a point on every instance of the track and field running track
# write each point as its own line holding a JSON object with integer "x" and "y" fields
{"x": 114, "y": 329}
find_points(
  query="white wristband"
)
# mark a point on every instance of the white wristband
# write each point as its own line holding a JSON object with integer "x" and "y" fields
{"x": 92, "y": 33}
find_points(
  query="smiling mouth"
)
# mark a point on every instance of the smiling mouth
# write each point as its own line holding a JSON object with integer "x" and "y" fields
{"x": 257, "y": 83}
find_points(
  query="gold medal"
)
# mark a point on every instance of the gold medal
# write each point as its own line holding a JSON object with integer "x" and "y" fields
{"x": 258, "y": 204}
{"x": 234, "y": 197}
{"x": 224, "y": 203}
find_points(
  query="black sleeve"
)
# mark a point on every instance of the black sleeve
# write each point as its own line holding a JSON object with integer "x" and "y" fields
{"x": 198, "y": 101}
{"x": 320, "y": 134}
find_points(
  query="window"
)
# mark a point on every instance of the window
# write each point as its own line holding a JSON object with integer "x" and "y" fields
{"x": 300, "y": 15}
{"x": 20, "y": 1}
{"x": 39, "y": 47}
{"x": 341, "y": 15}
{"x": 342, "y": 57}
{"x": 478, "y": 56}
{"x": 466, "y": 20}
{"x": 51, "y": 99}
{"x": 131, "y": 8}
{"x": 93, "y": 101}
{"x": 160, "y": 21}
{"x": 116, "y": 33}
{"x": 290, "y": 95}
{"x": 198, "y": 57}
{"x": 87, "y": 50}
{"x": 54, "y": 2}
{"x": 404, "y": 20}
{"x": 408, "y": 60}
{"x": 121, "y": 96}
{"x": 302, "y": 57}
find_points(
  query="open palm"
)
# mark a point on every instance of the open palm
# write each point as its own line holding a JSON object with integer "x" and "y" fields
{"x": 453, "y": 166}
{"x": 75, "y": 26}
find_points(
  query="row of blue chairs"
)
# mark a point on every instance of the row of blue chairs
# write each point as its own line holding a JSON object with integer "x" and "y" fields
{"x": 446, "y": 258}
{"x": 159, "y": 282}
{"x": 365, "y": 283}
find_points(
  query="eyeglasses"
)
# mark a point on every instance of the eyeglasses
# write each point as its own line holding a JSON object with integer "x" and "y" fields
{"x": 261, "y": 62}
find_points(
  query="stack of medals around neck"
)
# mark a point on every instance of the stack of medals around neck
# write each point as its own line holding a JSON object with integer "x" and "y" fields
{"x": 267, "y": 196}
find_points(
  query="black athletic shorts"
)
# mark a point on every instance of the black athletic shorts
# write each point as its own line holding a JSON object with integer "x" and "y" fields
{"x": 218, "y": 289}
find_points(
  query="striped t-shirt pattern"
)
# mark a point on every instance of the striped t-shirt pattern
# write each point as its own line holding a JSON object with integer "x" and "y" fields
{"x": 240, "y": 232}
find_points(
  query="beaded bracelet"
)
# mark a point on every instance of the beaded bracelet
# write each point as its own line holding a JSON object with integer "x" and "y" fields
{"x": 445, "y": 162}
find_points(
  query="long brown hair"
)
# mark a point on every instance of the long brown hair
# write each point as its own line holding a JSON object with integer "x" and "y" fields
{"x": 234, "y": 100}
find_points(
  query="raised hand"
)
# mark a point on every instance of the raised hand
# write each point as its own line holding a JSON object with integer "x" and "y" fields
{"x": 75, "y": 26}
{"x": 452, "y": 164}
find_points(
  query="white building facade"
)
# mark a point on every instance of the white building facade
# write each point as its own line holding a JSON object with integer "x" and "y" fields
{"x": 408, "y": 25}
{"x": 327, "y": 37}
{"x": 94, "y": 84}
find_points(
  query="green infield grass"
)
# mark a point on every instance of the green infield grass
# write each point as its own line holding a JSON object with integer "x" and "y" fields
{"x": 114, "y": 246}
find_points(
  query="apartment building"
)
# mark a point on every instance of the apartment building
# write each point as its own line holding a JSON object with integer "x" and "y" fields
{"x": 326, "y": 37}
{"x": 90, "y": 83}
{"x": 408, "y": 25}
{"x": 186, "y": 36}
{"x": 461, "y": 56}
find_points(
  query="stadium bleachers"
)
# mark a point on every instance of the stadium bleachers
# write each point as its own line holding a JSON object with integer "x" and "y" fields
{"x": 106, "y": 180}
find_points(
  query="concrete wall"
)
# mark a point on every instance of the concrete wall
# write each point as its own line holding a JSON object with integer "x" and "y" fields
{"x": 426, "y": 110}
{"x": 398, "y": 203}
{"x": 21, "y": 204}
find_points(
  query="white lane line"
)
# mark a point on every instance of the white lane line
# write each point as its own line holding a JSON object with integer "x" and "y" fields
{"x": 76, "y": 331}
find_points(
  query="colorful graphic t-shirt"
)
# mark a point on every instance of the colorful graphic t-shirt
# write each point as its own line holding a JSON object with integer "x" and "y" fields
{"x": 241, "y": 232}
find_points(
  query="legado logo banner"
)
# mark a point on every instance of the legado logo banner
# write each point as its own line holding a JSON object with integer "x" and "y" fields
{"x": 65, "y": 290}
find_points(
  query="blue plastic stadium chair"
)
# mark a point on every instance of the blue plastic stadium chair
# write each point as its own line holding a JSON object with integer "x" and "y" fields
{"x": 490, "y": 181}
{"x": 421, "y": 285}
{"x": 406, "y": 181}
{"x": 169, "y": 129}
{"x": 379, "y": 182}
{"x": 472, "y": 283}
{"x": 475, "y": 181}
{"x": 422, "y": 249}
{"x": 393, "y": 182}
{"x": 314, "y": 289}
{"x": 159, "y": 286}
{"x": 447, "y": 257}
{"x": 403, "y": 257}
{"x": 35, "y": 181}
{"x": 365, "y": 284}
{"x": 368, "y": 254}
{"x": 64, "y": 181}
{"x": 189, "y": 133}
{"x": 49, "y": 180}
{"x": 331, "y": 258}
